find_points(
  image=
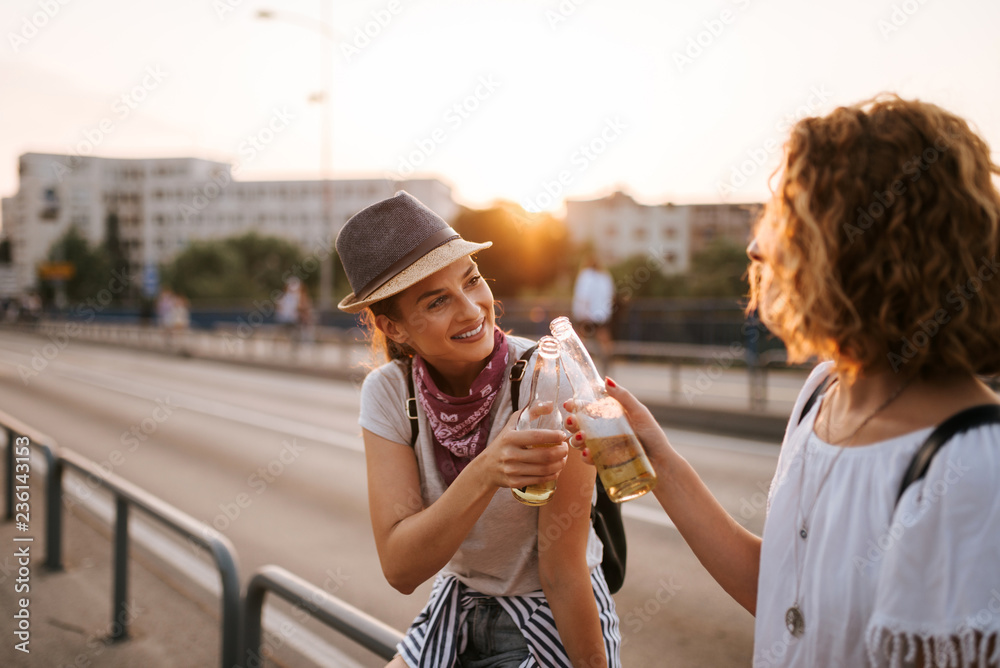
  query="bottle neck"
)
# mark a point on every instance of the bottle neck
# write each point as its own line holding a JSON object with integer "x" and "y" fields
{"x": 583, "y": 376}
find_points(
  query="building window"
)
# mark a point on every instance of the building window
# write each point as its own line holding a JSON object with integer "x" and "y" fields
{"x": 670, "y": 232}
{"x": 639, "y": 233}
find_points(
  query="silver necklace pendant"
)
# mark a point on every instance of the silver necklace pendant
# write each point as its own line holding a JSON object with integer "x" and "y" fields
{"x": 794, "y": 621}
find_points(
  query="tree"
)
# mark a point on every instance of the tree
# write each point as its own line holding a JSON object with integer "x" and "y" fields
{"x": 92, "y": 268}
{"x": 530, "y": 251}
{"x": 247, "y": 267}
{"x": 719, "y": 270}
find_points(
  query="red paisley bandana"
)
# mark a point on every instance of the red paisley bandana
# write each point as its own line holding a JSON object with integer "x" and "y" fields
{"x": 459, "y": 424}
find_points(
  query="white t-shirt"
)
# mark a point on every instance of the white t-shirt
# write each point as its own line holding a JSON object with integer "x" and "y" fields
{"x": 593, "y": 296}
{"x": 874, "y": 581}
{"x": 499, "y": 557}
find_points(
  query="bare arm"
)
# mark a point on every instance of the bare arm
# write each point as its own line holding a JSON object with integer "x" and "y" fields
{"x": 730, "y": 553}
{"x": 414, "y": 542}
{"x": 563, "y": 529}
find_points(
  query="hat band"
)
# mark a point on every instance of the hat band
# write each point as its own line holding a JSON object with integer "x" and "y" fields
{"x": 439, "y": 238}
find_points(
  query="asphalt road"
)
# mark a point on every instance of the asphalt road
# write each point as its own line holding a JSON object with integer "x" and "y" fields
{"x": 274, "y": 461}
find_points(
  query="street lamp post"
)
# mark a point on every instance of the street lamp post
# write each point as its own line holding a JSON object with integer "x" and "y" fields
{"x": 325, "y": 29}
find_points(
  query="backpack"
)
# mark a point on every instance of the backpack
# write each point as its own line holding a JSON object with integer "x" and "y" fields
{"x": 963, "y": 421}
{"x": 605, "y": 514}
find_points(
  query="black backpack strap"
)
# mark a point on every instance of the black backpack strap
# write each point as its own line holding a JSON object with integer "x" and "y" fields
{"x": 517, "y": 372}
{"x": 961, "y": 422}
{"x": 811, "y": 401}
{"x": 410, "y": 406}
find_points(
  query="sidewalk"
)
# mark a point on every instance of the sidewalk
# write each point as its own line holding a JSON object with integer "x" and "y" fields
{"x": 70, "y": 610}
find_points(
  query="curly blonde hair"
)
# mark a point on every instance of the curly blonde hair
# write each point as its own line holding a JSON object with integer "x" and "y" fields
{"x": 879, "y": 245}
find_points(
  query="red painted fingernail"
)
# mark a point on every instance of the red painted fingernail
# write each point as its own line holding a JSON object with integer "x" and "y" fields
{"x": 579, "y": 437}
{"x": 610, "y": 382}
{"x": 585, "y": 452}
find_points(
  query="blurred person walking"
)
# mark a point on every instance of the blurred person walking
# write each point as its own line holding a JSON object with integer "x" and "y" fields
{"x": 289, "y": 310}
{"x": 514, "y": 585}
{"x": 593, "y": 307}
{"x": 878, "y": 254}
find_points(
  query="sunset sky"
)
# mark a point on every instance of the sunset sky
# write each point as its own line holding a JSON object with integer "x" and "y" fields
{"x": 510, "y": 99}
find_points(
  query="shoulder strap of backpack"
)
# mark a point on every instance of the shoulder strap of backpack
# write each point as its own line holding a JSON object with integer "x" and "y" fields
{"x": 410, "y": 406}
{"x": 517, "y": 375}
{"x": 968, "y": 419}
{"x": 811, "y": 401}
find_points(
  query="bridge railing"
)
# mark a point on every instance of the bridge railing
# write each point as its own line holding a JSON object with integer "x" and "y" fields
{"x": 356, "y": 625}
{"x": 126, "y": 495}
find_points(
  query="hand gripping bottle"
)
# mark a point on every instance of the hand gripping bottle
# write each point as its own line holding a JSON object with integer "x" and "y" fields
{"x": 621, "y": 462}
{"x": 542, "y": 412}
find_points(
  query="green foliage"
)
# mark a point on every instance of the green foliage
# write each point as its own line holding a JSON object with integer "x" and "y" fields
{"x": 92, "y": 265}
{"x": 530, "y": 251}
{"x": 718, "y": 271}
{"x": 250, "y": 266}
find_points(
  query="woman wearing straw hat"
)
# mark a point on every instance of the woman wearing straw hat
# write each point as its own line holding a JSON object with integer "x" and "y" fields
{"x": 439, "y": 507}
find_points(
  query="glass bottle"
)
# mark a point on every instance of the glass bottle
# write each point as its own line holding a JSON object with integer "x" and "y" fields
{"x": 621, "y": 462}
{"x": 542, "y": 412}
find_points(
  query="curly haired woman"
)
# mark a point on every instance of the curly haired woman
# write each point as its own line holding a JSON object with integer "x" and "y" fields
{"x": 878, "y": 254}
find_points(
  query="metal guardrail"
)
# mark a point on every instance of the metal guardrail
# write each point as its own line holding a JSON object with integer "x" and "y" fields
{"x": 358, "y": 626}
{"x": 126, "y": 495}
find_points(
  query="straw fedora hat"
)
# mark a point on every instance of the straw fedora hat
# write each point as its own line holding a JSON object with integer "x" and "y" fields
{"x": 390, "y": 245}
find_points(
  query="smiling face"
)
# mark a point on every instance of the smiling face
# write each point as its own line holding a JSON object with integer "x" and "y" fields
{"x": 447, "y": 318}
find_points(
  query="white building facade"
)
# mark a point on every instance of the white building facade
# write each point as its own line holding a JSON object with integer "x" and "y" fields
{"x": 162, "y": 204}
{"x": 617, "y": 228}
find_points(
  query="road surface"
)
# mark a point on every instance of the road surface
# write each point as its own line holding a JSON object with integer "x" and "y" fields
{"x": 274, "y": 461}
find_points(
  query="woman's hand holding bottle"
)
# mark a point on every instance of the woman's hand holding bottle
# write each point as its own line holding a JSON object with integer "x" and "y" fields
{"x": 647, "y": 430}
{"x": 513, "y": 460}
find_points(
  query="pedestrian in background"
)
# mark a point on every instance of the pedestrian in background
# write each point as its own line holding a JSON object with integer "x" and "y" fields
{"x": 289, "y": 309}
{"x": 593, "y": 307}
{"x": 878, "y": 254}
